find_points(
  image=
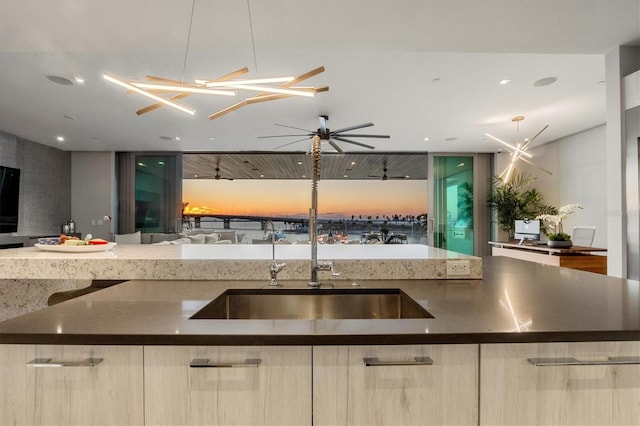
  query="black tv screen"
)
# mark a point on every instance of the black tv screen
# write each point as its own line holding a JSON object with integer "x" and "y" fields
{"x": 9, "y": 199}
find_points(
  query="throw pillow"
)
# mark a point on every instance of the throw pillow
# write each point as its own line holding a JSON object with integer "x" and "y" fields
{"x": 211, "y": 238}
{"x": 133, "y": 238}
{"x": 196, "y": 239}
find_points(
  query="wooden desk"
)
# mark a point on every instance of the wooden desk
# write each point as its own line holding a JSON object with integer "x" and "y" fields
{"x": 576, "y": 257}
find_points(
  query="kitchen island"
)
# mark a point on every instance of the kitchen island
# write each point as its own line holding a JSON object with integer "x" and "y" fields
{"x": 29, "y": 275}
{"x": 526, "y": 344}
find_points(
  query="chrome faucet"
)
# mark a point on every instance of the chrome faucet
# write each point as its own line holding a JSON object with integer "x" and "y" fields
{"x": 316, "y": 265}
{"x": 275, "y": 267}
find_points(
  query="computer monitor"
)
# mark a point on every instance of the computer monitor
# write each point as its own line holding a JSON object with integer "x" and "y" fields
{"x": 527, "y": 230}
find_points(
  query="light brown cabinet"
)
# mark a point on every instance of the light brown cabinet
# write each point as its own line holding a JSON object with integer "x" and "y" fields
{"x": 250, "y": 385}
{"x": 71, "y": 385}
{"x": 395, "y": 385}
{"x": 573, "y": 384}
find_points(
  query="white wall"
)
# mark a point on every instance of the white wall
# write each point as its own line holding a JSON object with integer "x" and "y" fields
{"x": 578, "y": 165}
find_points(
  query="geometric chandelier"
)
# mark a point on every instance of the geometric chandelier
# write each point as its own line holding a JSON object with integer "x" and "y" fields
{"x": 519, "y": 151}
{"x": 156, "y": 88}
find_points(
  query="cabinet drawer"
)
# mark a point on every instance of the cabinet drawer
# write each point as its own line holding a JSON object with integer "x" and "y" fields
{"x": 560, "y": 383}
{"x": 98, "y": 385}
{"x": 186, "y": 385}
{"x": 401, "y": 385}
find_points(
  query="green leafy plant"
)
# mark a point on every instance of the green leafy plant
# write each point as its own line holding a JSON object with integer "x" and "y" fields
{"x": 515, "y": 200}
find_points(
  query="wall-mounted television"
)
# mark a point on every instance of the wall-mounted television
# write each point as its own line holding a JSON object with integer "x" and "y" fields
{"x": 9, "y": 199}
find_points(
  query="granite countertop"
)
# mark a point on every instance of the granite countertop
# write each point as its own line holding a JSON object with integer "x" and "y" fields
{"x": 515, "y": 301}
{"x": 231, "y": 262}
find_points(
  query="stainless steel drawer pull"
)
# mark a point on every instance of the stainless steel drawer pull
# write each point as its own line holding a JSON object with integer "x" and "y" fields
{"x": 612, "y": 360}
{"x": 375, "y": 362}
{"x": 204, "y": 363}
{"x": 48, "y": 362}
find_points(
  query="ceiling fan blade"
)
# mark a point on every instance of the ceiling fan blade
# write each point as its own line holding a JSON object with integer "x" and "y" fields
{"x": 322, "y": 120}
{"x": 227, "y": 110}
{"x": 297, "y": 128}
{"x": 335, "y": 146}
{"x": 526, "y": 144}
{"x": 353, "y": 135}
{"x": 338, "y": 138}
{"x": 283, "y": 136}
{"x": 290, "y": 143}
{"x": 346, "y": 129}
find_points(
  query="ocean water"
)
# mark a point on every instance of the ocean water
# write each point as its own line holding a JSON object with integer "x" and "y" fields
{"x": 250, "y": 230}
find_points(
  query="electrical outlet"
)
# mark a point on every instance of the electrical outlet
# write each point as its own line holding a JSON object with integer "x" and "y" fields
{"x": 458, "y": 267}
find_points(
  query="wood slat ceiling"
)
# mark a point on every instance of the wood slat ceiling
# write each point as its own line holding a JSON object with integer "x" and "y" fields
{"x": 297, "y": 165}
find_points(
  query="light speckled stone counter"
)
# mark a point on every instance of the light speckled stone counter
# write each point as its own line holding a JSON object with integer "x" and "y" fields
{"x": 25, "y": 269}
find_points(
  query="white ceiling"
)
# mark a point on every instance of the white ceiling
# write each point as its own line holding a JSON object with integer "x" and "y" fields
{"x": 381, "y": 59}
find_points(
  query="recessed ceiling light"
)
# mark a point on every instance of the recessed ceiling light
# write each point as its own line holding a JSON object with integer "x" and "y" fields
{"x": 261, "y": 175}
{"x": 60, "y": 138}
{"x": 161, "y": 163}
{"x": 545, "y": 81}
{"x": 299, "y": 163}
{"x": 504, "y": 81}
{"x": 353, "y": 163}
{"x": 177, "y": 138}
{"x": 79, "y": 80}
{"x": 304, "y": 176}
{"x": 460, "y": 165}
{"x": 344, "y": 176}
{"x": 195, "y": 176}
{"x": 211, "y": 138}
{"x": 60, "y": 80}
{"x": 426, "y": 139}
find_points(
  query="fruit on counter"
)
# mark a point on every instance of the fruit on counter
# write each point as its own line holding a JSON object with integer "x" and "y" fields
{"x": 97, "y": 241}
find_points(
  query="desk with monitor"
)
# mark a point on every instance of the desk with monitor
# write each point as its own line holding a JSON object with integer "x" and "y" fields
{"x": 589, "y": 259}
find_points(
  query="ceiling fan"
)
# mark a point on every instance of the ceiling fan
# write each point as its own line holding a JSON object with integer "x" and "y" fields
{"x": 330, "y": 136}
{"x": 384, "y": 176}
{"x": 216, "y": 176}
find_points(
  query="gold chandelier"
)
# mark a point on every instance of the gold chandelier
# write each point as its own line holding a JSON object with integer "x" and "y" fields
{"x": 519, "y": 151}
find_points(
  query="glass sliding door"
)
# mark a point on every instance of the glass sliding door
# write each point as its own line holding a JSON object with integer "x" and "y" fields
{"x": 149, "y": 192}
{"x": 451, "y": 206}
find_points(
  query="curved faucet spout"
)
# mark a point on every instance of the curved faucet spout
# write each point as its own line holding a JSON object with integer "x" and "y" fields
{"x": 275, "y": 267}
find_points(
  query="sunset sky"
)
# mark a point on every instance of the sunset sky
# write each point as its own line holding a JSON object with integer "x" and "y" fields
{"x": 336, "y": 198}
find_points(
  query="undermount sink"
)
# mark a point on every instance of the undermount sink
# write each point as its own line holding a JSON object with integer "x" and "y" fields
{"x": 303, "y": 304}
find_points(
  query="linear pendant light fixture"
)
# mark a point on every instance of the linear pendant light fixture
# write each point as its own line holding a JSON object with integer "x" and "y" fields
{"x": 268, "y": 89}
{"x": 218, "y": 87}
{"x": 519, "y": 151}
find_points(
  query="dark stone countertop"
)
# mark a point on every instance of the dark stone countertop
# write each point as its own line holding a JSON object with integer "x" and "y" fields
{"x": 516, "y": 301}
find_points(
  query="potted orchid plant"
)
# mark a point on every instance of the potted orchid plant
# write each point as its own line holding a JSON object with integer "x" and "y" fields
{"x": 558, "y": 238}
